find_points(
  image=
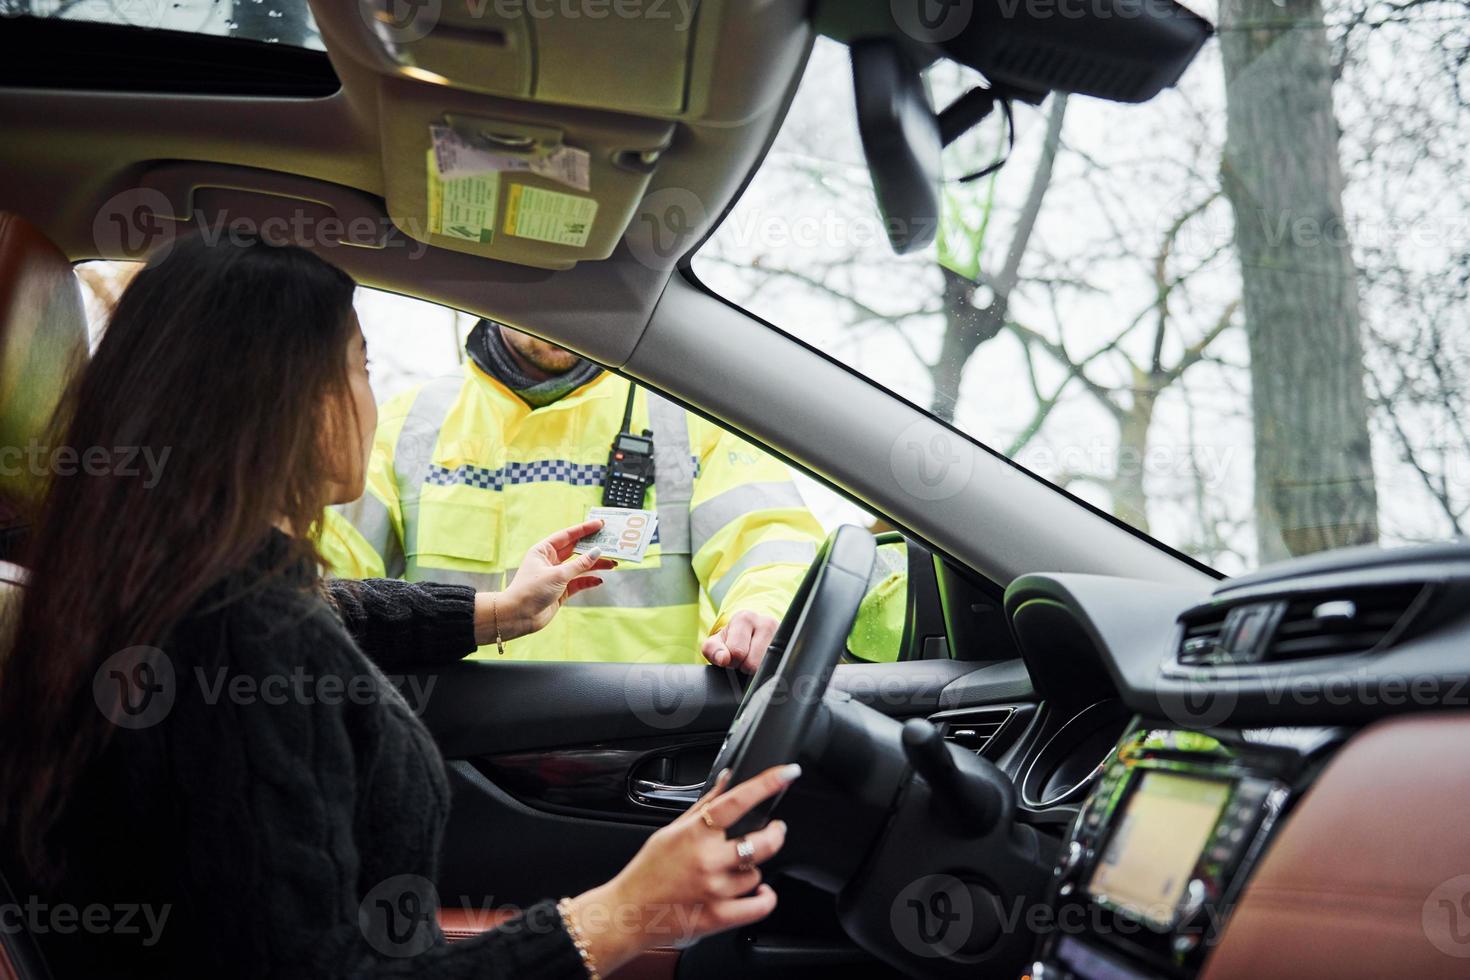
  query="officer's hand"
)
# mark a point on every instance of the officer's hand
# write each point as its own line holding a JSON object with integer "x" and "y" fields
{"x": 743, "y": 641}
{"x": 549, "y": 575}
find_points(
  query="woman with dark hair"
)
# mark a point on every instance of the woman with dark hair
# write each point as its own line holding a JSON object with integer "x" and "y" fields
{"x": 195, "y": 726}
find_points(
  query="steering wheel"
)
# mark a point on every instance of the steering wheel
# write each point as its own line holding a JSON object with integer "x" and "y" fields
{"x": 777, "y": 711}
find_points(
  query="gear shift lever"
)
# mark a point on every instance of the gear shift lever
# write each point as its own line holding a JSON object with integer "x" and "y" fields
{"x": 975, "y": 797}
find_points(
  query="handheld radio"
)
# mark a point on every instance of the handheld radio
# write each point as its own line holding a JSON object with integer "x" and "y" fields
{"x": 629, "y": 463}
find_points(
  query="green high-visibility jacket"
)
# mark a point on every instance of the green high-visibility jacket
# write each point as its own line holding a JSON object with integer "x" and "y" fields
{"x": 465, "y": 478}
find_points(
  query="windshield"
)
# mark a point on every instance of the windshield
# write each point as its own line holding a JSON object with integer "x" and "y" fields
{"x": 1232, "y": 317}
{"x": 276, "y": 21}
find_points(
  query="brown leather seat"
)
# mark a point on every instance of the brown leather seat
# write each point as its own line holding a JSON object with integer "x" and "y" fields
{"x": 43, "y": 338}
{"x": 659, "y": 963}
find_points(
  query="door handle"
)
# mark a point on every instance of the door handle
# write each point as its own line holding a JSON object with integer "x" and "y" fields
{"x": 665, "y": 795}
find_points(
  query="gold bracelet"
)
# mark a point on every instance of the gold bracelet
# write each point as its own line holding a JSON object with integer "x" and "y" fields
{"x": 495, "y": 620}
{"x": 564, "y": 908}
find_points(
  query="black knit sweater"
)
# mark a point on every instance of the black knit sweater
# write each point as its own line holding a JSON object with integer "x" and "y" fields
{"x": 283, "y": 817}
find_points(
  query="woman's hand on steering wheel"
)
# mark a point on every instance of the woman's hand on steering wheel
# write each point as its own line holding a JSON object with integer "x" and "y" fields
{"x": 688, "y": 880}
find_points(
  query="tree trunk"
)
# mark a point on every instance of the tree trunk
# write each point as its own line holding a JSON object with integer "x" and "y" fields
{"x": 1314, "y": 484}
{"x": 966, "y": 326}
{"x": 1130, "y": 496}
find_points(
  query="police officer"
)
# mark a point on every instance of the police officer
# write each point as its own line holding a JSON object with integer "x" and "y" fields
{"x": 468, "y": 471}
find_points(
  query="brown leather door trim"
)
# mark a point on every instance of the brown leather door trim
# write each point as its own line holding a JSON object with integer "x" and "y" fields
{"x": 660, "y": 963}
{"x": 457, "y": 924}
{"x": 1370, "y": 875}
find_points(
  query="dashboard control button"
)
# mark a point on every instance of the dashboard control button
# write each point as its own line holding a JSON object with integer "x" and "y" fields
{"x": 1195, "y": 897}
{"x": 1071, "y": 858}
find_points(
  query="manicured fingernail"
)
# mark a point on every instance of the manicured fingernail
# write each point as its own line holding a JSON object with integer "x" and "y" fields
{"x": 594, "y": 554}
{"x": 788, "y": 773}
{"x": 724, "y": 775}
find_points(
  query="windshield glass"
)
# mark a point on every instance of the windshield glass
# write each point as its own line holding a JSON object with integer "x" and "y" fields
{"x": 277, "y": 21}
{"x": 1232, "y": 317}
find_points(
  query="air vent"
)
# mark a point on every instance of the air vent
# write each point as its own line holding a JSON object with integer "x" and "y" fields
{"x": 1353, "y": 621}
{"x": 1331, "y": 623}
{"x": 975, "y": 729}
{"x": 1201, "y": 640}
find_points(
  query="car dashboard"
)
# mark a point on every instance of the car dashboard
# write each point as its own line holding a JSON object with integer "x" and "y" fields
{"x": 1270, "y": 782}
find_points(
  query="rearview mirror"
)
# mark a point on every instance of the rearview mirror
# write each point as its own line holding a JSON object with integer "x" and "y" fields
{"x": 1123, "y": 50}
{"x": 901, "y": 141}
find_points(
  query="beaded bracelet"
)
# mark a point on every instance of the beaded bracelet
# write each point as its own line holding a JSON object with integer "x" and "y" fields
{"x": 564, "y": 908}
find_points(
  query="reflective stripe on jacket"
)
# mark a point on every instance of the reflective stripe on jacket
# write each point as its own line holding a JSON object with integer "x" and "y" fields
{"x": 465, "y": 477}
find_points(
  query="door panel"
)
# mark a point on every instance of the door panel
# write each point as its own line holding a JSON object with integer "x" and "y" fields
{"x": 630, "y": 780}
{"x": 477, "y": 708}
{"x": 550, "y": 764}
{"x": 500, "y": 851}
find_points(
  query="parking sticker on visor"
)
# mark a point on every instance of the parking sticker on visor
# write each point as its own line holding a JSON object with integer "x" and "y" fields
{"x": 549, "y": 216}
{"x": 463, "y": 207}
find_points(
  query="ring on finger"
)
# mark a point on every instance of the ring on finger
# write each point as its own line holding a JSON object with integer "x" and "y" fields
{"x": 707, "y": 817}
{"x": 744, "y": 855}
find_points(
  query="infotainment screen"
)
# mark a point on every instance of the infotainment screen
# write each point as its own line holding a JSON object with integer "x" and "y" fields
{"x": 1147, "y": 862}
